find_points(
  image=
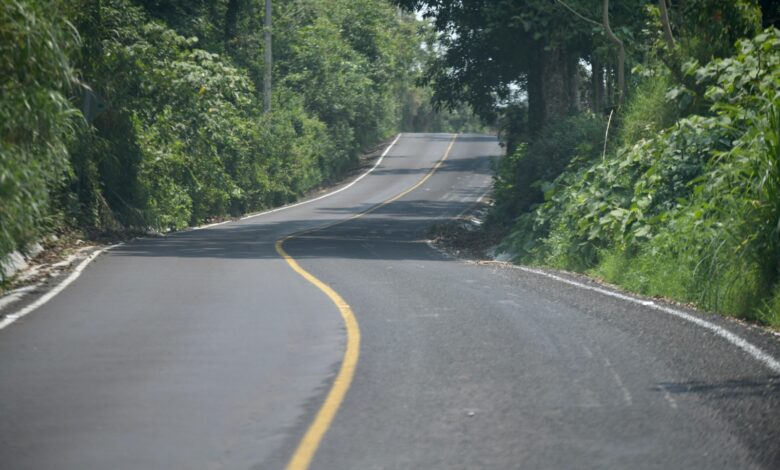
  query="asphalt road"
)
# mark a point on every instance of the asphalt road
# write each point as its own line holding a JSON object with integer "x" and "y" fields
{"x": 204, "y": 350}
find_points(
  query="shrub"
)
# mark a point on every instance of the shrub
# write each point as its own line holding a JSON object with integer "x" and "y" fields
{"x": 36, "y": 118}
{"x": 183, "y": 139}
{"x": 693, "y": 212}
{"x": 524, "y": 175}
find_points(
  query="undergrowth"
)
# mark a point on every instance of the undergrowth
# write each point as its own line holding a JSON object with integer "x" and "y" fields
{"x": 686, "y": 208}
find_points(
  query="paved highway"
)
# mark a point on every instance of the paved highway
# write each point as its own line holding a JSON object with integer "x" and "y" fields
{"x": 355, "y": 345}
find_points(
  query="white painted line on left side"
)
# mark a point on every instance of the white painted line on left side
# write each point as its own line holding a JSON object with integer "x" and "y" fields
{"x": 16, "y": 295}
{"x": 376, "y": 164}
{"x": 12, "y": 317}
{"x": 318, "y": 198}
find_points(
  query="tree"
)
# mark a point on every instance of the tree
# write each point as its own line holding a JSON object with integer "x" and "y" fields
{"x": 621, "y": 66}
{"x": 492, "y": 50}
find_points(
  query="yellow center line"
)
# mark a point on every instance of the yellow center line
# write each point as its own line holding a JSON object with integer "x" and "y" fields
{"x": 304, "y": 453}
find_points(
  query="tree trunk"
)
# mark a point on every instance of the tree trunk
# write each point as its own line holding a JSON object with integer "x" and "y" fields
{"x": 555, "y": 89}
{"x": 267, "y": 57}
{"x": 536, "y": 115}
{"x": 665, "y": 22}
{"x": 621, "y": 65}
{"x": 552, "y": 85}
{"x": 573, "y": 82}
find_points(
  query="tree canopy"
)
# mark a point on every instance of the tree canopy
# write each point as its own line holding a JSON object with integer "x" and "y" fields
{"x": 541, "y": 52}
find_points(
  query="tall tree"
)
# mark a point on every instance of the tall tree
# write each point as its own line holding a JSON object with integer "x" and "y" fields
{"x": 493, "y": 49}
{"x": 621, "y": 65}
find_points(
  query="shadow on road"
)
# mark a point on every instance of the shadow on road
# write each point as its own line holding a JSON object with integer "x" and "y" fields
{"x": 474, "y": 164}
{"x": 394, "y": 231}
{"x": 732, "y": 388}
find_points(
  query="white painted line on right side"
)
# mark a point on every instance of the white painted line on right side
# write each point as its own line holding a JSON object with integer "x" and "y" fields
{"x": 16, "y": 295}
{"x": 737, "y": 341}
{"x": 751, "y": 349}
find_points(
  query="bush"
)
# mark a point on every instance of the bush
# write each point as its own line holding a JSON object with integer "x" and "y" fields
{"x": 183, "y": 139}
{"x": 524, "y": 175}
{"x": 36, "y": 118}
{"x": 648, "y": 110}
{"x": 691, "y": 213}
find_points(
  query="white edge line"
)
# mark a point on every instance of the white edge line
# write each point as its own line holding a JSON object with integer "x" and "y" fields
{"x": 12, "y": 317}
{"x": 752, "y": 350}
{"x": 250, "y": 216}
{"x": 16, "y": 294}
{"x": 732, "y": 338}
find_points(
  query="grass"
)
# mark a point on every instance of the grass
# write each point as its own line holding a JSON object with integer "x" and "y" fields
{"x": 732, "y": 287}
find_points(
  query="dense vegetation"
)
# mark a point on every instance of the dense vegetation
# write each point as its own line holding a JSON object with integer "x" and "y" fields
{"x": 681, "y": 197}
{"x": 642, "y": 136}
{"x": 148, "y": 114}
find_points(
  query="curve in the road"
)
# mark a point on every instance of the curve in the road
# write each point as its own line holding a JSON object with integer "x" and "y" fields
{"x": 197, "y": 350}
{"x": 304, "y": 453}
{"x": 26, "y": 310}
{"x": 203, "y": 349}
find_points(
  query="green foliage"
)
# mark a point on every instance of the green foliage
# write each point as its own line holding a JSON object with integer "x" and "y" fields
{"x": 692, "y": 212}
{"x": 542, "y": 66}
{"x": 686, "y": 183}
{"x": 525, "y": 175}
{"x": 420, "y": 115}
{"x": 351, "y": 63}
{"x": 710, "y": 28}
{"x": 330, "y": 76}
{"x": 199, "y": 148}
{"x": 176, "y": 133}
{"x": 176, "y": 117}
{"x": 648, "y": 111}
{"x": 36, "y": 118}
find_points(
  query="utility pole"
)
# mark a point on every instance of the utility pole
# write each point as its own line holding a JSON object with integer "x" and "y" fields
{"x": 268, "y": 59}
